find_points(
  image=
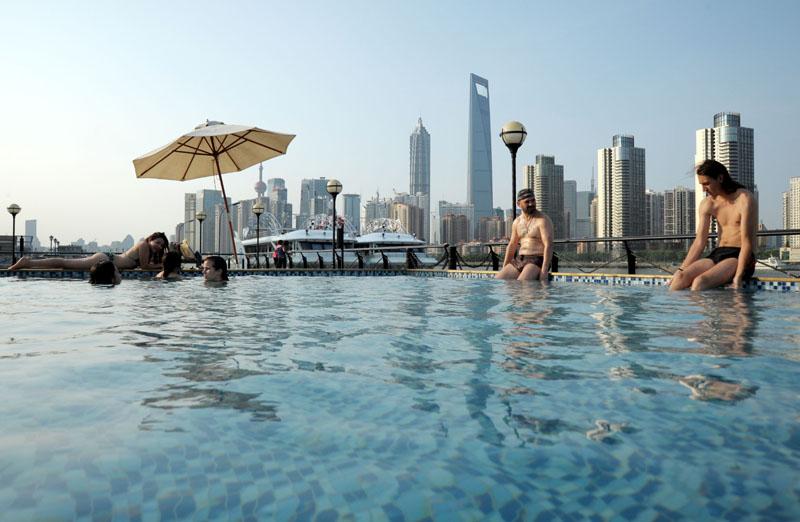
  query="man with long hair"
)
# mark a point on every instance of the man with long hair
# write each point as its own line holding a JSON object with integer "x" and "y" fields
{"x": 736, "y": 211}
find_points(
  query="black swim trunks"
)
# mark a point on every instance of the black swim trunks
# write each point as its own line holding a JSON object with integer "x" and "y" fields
{"x": 722, "y": 253}
{"x": 522, "y": 261}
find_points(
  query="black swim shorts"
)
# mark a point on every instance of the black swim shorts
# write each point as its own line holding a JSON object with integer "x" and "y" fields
{"x": 722, "y": 253}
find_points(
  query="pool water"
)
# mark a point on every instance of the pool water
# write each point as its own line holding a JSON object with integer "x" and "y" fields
{"x": 403, "y": 398}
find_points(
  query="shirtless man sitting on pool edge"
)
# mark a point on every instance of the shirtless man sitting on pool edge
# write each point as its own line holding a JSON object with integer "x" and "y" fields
{"x": 736, "y": 212}
{"x": 533, "y": 231}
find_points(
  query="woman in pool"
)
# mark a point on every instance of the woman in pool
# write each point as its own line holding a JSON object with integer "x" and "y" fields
{"x": 172, "y": 267}
{"x": 145, "y": 254}
{"x": 104, "y": 273}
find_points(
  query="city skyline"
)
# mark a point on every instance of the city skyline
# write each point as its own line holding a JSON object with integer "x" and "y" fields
{"x": 115, "y": 95}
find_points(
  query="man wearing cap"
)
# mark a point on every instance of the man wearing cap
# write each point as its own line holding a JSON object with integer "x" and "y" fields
{"x": 533, "y": 232}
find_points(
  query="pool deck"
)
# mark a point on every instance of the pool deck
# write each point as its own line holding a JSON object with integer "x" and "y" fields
{"x": 780, "y": 284}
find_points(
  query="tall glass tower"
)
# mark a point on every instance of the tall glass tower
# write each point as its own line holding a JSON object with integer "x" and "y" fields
{"x": 479, "y": 160}
{"x": 419, "y": 153}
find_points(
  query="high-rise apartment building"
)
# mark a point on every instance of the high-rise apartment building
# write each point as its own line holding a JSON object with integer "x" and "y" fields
{"x": 479, "y": 158}
{"x": 492, "y": 228}
{"x": 620, "y": 189}
{"x": 679, "y": 211}
{"x": 376, "y": 208}
{"x": 457, "y": 209}
{"x": 730, "y": 144}
{"x": 791, "y": 211}
{"x": 570, "y": 207}
{"x": 653, "y": 213}
{"x": 456, "y": 229}
{"x": 411, "y": 217}
{"x": 548, "y": 187}
{"x": 419, "y": 200}
{"x": 351, "y": 203}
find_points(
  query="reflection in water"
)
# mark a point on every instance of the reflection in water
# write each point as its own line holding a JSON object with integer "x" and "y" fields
{"x": 619, "y": 319}
{"x": 535, "y": 334}
{"x": 413, "y": 361}
{"x": 192, "y": 397}
{"x": 729, "y": 324}
{"x": 479, "y": 335}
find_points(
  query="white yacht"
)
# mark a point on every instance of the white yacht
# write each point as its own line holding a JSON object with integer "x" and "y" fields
{"x": 313, "y": 243}
{"x": 390, "y": 244}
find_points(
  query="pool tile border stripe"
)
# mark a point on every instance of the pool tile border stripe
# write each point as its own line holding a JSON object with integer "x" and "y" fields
{"x": 779, "y": 284}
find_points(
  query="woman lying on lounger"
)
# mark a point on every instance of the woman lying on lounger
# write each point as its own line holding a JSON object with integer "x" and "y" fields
{"x": 145, "y": 254}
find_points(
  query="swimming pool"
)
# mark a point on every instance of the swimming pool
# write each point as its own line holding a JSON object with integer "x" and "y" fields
{"x": 396, "y": 398}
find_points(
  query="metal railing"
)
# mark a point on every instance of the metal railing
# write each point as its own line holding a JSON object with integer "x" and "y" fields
{"x": 629, "y": 253}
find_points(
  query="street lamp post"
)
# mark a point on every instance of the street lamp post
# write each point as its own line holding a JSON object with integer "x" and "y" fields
{"x": 51, "y": 244}
{"x": 334, "y": 189}
{"x": 201, "y": 216}
{"x": 258, "y": 209}
{"x": 513, "y": 134}
{"x": 13, "y": 209}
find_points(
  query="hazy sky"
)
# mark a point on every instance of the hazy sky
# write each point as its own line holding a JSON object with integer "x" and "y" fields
{"x": 88, "y": 86}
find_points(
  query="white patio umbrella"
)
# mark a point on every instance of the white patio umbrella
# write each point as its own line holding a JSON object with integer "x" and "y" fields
{"x": 213, "y": 149}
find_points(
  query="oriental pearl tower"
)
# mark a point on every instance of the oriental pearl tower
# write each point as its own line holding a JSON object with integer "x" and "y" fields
{"x": 260, "y": 186}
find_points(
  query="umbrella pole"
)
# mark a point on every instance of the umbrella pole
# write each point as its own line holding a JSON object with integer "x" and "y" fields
{"x": 227, "y": 210}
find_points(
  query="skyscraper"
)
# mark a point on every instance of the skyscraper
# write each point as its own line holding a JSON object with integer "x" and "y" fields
{"x": 620, "y": 189}
{"x": 653, "y": 213}
{"x": 479, "y": 159}
{"x": 189, "y": 220}
{"x": 376, "y": 208}
{"x": 548, "y": 187}
{"x": 410, "y": 216}
{"x": 421, "y": 201}
{"x": 679, "y": 211}
{"x": 419, "y": 153}
{"x": 791, "y": 210}
{"x": 730, "y": 144}
{"x": 314, "y": 200}
{"x": 570, "y": 207}
{"x": 352, "y": 210}
{"x": 207, "y": 201}
{"x": 278, "y": 202}
{"x": 32, "y": 242}
{"x": 457, "y": 209}
{"x": 455, "y": 229}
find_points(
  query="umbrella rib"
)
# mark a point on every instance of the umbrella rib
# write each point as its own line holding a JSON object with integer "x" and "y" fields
{"x": 154, "y": 165}
{"x": 189, "y": 165}
{"x": 244, "y": 138}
